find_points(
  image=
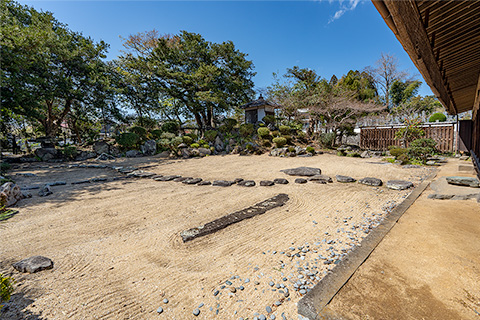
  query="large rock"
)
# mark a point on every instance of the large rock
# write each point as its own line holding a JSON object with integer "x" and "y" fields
{"x": 132, "y": 153}
{"x": 149, "y": 148}
{"x": 46, "y": 153}
{"x": 186, "y": 152}
{"x": 266, "y": 183}
{"x": 344, "y": 179}
{"x": 204, "y": 152}
{"x": 320, "y": 178}
{"x": 246, "y": 183}
{"x": 33, "y": 264}
{"x": 302, "y": 171}
{"x": 300, "y": 180}
{"x": 464, "y": 181}
{"x": 218, "y": 144}
{"x": 192, "y": 181}
{"x": 101, "y": 146}
{"x": 45, "y": 191}
{"x": 399, "y": 184}
{"x": 374, "y": 182}
{"x": 10, "y": 193}
{"x": 280, "y": 181}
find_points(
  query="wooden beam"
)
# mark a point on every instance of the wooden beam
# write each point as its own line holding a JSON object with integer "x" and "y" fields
{"x": 413, "y": 37}
{"x": 476, "y": 104}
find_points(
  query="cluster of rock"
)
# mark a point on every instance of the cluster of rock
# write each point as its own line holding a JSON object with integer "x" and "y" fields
{"x": 292, "y": 152}
{"x": 467, "y": 182}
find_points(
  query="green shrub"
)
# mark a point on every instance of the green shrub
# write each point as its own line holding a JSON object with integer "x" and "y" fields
{"x": 229, "y": 123}
{"x": 187, "y": 140}
{"x": 396, "y": 152}
{"x": 6, "y": 289}
{"x": 285, "y": 130}
{"x": 288, "y": 138}
{"x": 156, "y": 134}
{"x": 327, "y": 139}
{"x": 263, "y": 132}
{"x": 353, "y": 155}
{"x": 249, "y": 147}
{"x": 437, "y": 116}
{"x": 171, "y": 126}
{"x": 4, "y": 167}
{"x": 206, "y": 146}
{"x": 311, "y": 150}
{"x": 340, "y": 153}
{"x": 392, "y": 147}
{"x": 247, "y": 129}
{"x": 421, "y": 149}
{"x": 69, "y": 152}
{"x": 195, "y": 145}
{"x": 266, "y": 143}
{"x": 127, "y": 140}
{"x": 279, "y": 141}
{"x": 275, "y": 133}
{"x": 192, "y": 135}
{"x": 404, "y": 158}
{"x": 210, "y": 135}
{"x": 291, "y": 149}
{"x": 201, "y": 141}
{"x": 140, "y": 131}
{"x": 269, "y": 119}
{"x": 167, "y": 135}
{"x": 176, "y": 141}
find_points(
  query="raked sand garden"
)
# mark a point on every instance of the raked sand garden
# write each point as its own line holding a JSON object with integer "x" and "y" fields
{"x": 118, "y": 253}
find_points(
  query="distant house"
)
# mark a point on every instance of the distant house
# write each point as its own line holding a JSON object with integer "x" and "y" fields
{"x": 256, "y": 110}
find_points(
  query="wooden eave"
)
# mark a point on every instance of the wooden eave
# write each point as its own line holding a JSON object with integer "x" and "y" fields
{"x": 443, "y": 40}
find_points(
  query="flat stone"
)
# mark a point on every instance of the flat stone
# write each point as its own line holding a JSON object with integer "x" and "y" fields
{"x": 320, "y": 178}
{"x": 181, "y": 179}
{"x": 302, "y": 171}
{"x": 98, "y": 179}
{"x": 57, "y": 183}
{"x": 192, "y": 181}
{"x": 229, "y": 219}
{"x": 411, "y": 166}
{"x": 81, "y": 182}
{"x": 266, "y": 183}
{"x": 204, "y": 183}
{"x": 167, "y": 178}
{"x": 280, "y": 181}
{"x": 399, "y": 184}
{"x": 440, "y": 196}
{"x": 464, "y": 181}
{"x": 300, "y": 180}
{"x": 238, "y": 180}
{"x": 374, "y": 182}
{"x": 246, "y": 183}
{"x": 33, "y": 264}
{"x": 344, "y": 179}
{"x": 46, "y": 191}
{"x": 222, "y": 183}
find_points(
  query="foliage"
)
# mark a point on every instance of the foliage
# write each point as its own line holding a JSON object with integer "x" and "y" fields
{"x": 167, "y": 135}
{"x": 194, "y": 145}
{"x": 192, "y": 135}
{"x": 206, "y": 146}
{"x": 362, "y": 83}
{"x": 140, "y": 131}
{"x": 421, "y": 149}
{"x": 275, "y": 133}
{"x": 284, "y": 130}
{"x": 4, "y": 167}
{"x": 279, "y": 141}
{"x": 156, "y": 134}
{"x": 341, "y": 153}
{"x": 353, "y": 155}
{"x": 6, "y": 288}
{"x": 207, "y": 78}
{"x": 327, "y": 139}
{"x": 50, "y": 71}
{"x": 266, "y": 143}
{"x": 402, "y": 91}
{"x": 69, "y": 152}
{"x": 263, "y": 132}
{"x": 410, "y": 131}
{"x": 247, "y": 129}
{"x": 229, "y": 123}
{"x": 310, "y": 150}
{"x": 127, "y": 140}
{"x": 187, "y": 140}
{"x": 201, "y": 141}
{"x": 269, "y": 119}
{"x": 396, "y": 152}
{"x": 210, "y": 135}
{"x": 170, "y": 126}
{"x": 288, "y": 138}
{"x": 440, "y": 117}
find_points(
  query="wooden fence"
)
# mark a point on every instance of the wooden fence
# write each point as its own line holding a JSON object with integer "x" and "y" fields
{"x": 380, "y": 138}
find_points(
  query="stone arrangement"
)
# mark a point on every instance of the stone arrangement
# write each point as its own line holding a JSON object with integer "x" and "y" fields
{"x": 33, "y": 264}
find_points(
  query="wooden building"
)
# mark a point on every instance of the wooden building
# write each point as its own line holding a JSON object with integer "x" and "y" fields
{"x": 257, "y": 109}
{"x": 443, "y": 40}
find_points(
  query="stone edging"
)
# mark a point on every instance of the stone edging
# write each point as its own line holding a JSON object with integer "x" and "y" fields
{"x": 313, "y": 303}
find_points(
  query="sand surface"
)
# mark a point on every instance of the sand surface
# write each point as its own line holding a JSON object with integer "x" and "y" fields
{"x": 118, "y": 253}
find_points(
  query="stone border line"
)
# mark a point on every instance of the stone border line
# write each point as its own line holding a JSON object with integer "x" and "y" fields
{"x": 313, "y": 303}
{"x": 223, "y": 222}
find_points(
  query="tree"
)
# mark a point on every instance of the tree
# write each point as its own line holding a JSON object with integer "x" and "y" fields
{"x": 385, "y": 72}
{"x": 47, "y": 69}
{"x": 206, "y": 78}
{"x": 361, "y": 83}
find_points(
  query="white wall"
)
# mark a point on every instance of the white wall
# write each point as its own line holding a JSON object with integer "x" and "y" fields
{"x": 261, "y": 114}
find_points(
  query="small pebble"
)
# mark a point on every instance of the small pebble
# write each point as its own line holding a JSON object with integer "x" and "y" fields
{"x": 159, "y": 310}
{"x": 196, "y": 312}
{"x": 271, "y": 284}
{"x": 268, "y": 309}
{"x": 216, "y": 292}
{"x": 201, "y": 305}
{"x": 165, "y": 300}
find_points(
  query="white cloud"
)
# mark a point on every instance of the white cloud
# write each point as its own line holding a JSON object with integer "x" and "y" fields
{"x": 344, "y": 7}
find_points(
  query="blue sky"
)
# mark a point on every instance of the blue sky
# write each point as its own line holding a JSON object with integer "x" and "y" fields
{"x": 330, "y": 37}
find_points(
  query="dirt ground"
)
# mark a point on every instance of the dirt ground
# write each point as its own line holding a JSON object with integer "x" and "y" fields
{"x": 427, "y": 267}
{"x": 118, "y": 253}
